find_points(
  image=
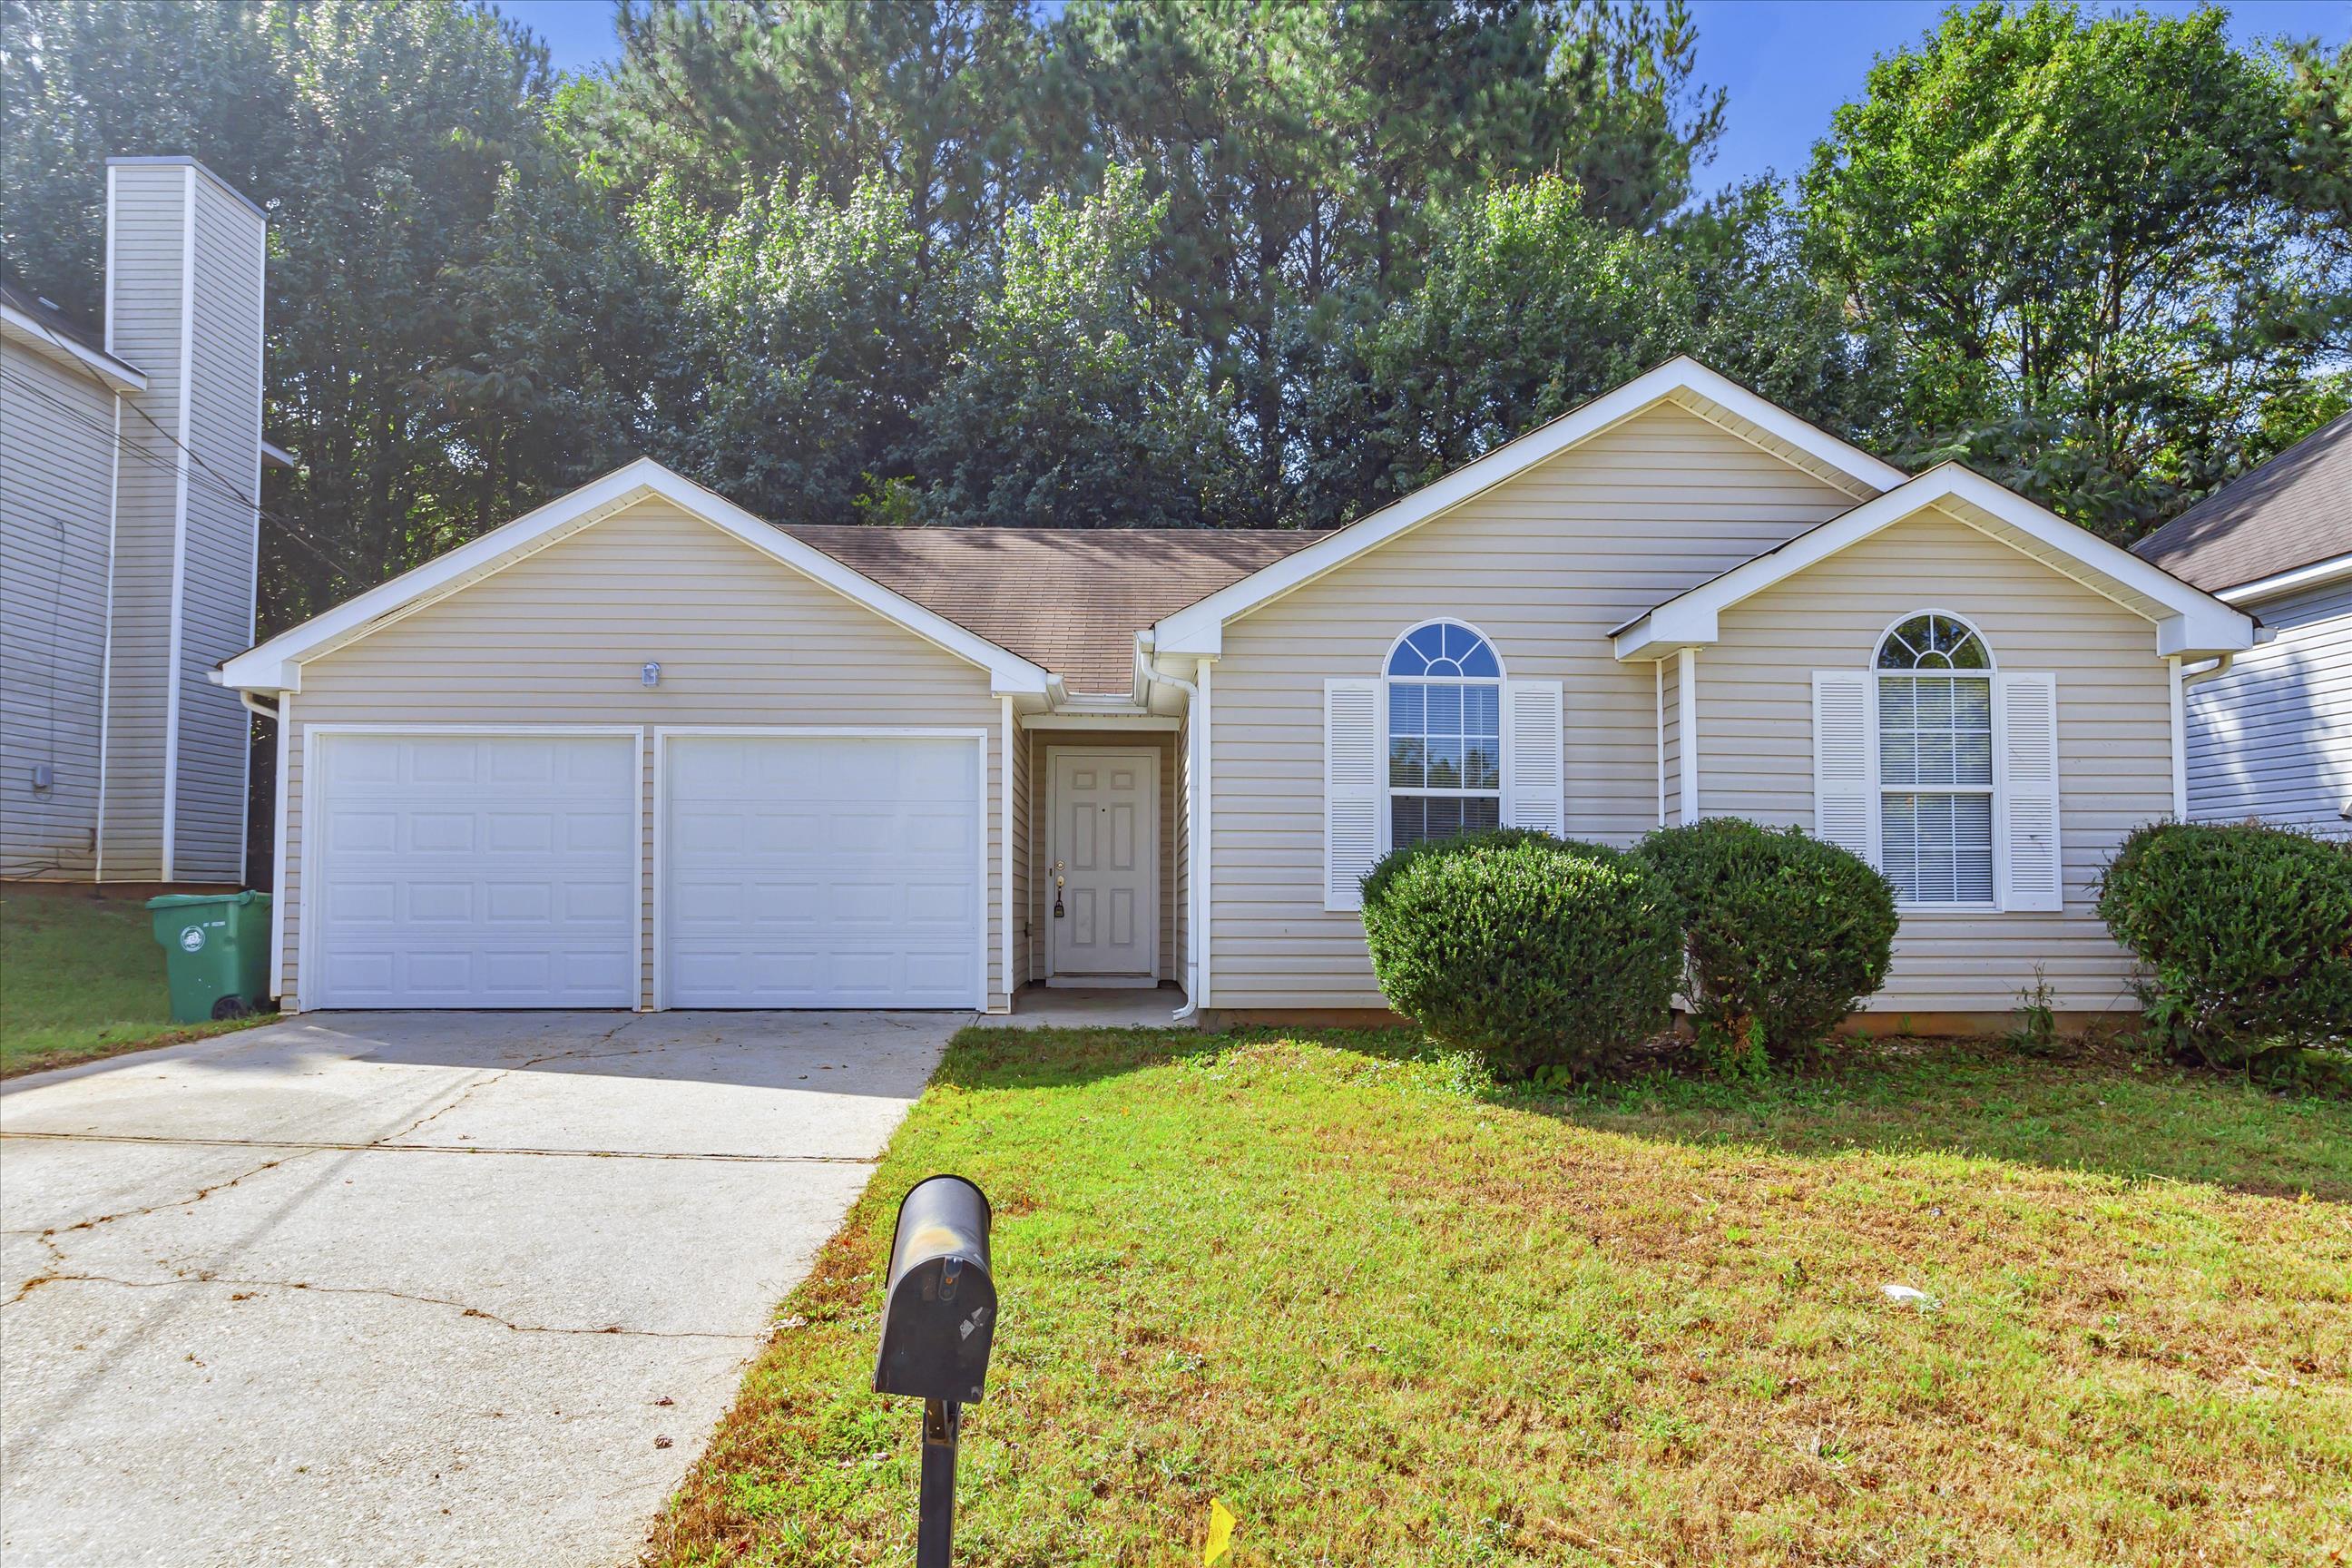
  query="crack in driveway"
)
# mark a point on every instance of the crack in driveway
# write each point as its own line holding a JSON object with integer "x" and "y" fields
{"x": 461, "y": 1308}
{"x": 376, "y": 1146}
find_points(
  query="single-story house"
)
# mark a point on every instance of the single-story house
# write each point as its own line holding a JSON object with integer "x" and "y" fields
{"x": 2270, "y": 732}
{"x": 642, "y": 749}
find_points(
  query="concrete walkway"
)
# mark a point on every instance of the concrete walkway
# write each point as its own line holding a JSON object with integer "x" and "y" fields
{"x": 414, "y": 1288}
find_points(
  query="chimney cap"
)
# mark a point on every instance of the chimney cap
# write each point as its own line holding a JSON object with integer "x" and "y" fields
{"x": 182, "y": 160}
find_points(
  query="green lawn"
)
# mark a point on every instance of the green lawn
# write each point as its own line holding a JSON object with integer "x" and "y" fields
{"x": 1389, "y": 1317}
{"x": 81, "y": 977}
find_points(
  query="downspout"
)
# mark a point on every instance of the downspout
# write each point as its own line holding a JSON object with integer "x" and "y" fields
{"x": 2181, "y": 680}
{"x": 254, "y": 704}
{"x": 1196, "y": 839}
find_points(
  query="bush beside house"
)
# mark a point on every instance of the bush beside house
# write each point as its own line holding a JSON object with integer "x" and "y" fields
{"x": 1783, "y": 934}
{"x": 1536, "y": 952}
{"x": 2246, "y": 932}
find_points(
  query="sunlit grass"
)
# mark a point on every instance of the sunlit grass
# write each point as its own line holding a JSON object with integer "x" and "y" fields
{"x": 1390, "y": 1318}
{"x": 80, "y": 977}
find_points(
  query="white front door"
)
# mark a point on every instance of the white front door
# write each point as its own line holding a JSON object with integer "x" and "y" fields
{"x": 471, "y": 870}
{"x": 822, "y": 871}
{"x": 1104, "y": 912}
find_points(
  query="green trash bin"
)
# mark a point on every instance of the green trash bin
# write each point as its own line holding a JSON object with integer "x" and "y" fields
{"x": 216, "y": 953}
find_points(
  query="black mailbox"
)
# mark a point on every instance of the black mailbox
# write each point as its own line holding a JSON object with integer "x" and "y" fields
{"x": 938, "y": 1313}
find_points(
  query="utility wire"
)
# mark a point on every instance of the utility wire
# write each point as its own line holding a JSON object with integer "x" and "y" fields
{"x": 221, "y": 488}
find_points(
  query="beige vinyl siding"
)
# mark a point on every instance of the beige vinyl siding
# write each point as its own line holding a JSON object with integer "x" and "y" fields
{"x": 2273, "y": 738}
{"x": 217, "y": 582}
{"x": 57, "y": 476}
{"x": 143, "y": 315}
{"x": 2114, "y": 745}
{"x": 558, "y": 639}
{"x": 1040, "y": 904}
{"x": 1544, "y": 564}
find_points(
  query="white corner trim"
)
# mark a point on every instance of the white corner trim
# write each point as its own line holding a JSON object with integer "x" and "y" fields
{"x": 2317, "y": 575}
{"x": 2193, "y": 621}
{"x": 277, "y": 859}
{"x": 276, "y": 665}
{"x": 185, "y": 391}
{"x": 2179, "y": 740}
{"x": 106, "y": 654}
{"x": 1199, "y": 627}
{"x": 1202, "y": 848}
{"x": 1658, "y": 671}
{"x": 1004, "y": 834}
{"x": 1686, "y": 722}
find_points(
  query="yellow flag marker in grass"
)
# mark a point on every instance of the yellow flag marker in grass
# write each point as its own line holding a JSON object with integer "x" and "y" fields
{"x": 1221, "y": 1534}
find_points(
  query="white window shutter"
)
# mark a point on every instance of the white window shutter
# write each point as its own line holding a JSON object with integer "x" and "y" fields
{"x": 1535, "y": 776}
{"x": 2025, "y": 757}
{"x": 1845, "y": 763}
{"x": 1351, "y": 789}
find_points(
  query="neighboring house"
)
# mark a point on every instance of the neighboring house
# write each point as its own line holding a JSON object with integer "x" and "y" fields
{"x": 2270, "y": 732}
{"x": 130, "y": 465}
{"x": 639, "y": 748}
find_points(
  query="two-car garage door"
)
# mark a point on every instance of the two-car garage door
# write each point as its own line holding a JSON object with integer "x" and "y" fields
{"x": 504, "y": 870}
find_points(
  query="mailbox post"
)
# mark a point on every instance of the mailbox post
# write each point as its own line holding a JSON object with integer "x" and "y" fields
{"x": 939, "y": 1320}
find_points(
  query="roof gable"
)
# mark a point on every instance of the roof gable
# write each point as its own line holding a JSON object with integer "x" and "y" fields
{"x": 2188, "y": 620}
{"x": 1683, "y": 381}
{"x": 276, "y": 665}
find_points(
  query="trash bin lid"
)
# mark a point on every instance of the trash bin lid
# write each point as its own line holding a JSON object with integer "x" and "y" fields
{"x": 185, "y": 901}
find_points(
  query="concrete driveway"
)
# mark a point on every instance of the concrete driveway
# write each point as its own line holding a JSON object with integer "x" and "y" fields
{"x": 412, "y": 1287}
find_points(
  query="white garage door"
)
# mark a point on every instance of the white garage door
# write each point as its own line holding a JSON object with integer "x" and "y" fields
{"x": 821, "y": 871}
{"x": 473, "y": 871}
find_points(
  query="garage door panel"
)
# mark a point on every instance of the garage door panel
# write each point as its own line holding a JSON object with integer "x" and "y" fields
{"x": 476, "y": 871}
{"x": 821, "y": 871}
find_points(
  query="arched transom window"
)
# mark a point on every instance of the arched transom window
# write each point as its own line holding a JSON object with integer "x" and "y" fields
{"x": 1444, "y": 691}
{"x": 1935, "y": 698}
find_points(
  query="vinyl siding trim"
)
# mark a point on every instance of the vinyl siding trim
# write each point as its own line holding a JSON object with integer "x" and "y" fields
{"x": 1686, "y": 729}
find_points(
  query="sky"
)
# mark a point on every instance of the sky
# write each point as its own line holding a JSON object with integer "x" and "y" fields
{"x": 1786, "y": 64}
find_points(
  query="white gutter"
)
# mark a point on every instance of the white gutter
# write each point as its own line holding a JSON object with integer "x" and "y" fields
{"x": 2311, "y": 576}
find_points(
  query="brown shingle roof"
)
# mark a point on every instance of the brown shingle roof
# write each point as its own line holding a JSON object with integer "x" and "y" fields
{"x": 1069, "y": 599}
{"x": 2294, "y": 510}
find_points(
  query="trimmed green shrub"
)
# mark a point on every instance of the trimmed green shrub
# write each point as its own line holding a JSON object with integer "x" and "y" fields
{"x": 1783, "y": 934}
{"x": 1536, "y": 952}
{"x": 2246, "y": 929}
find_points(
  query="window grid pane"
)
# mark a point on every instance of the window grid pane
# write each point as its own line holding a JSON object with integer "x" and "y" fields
{"x": 1445, "y": 734}
{"x": 1937, "y": 848}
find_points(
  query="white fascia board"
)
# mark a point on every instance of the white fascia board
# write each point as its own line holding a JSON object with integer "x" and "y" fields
{"x": 276, "y": 665}
{"x": 1198, "y": 628}
{"x": 18, "y": 327}
{"x": 2194, "y": 623}
{"x": 2317, "y": 575}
